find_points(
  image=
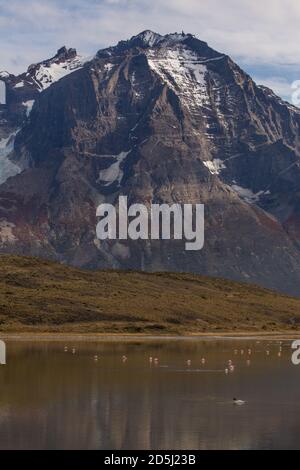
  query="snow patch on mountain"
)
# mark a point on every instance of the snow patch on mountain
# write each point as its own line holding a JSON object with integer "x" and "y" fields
{"x": 46, "y": 75}
{"x": 108, "y": 67}
{"x": 42, "y": 75}
{"x": 184, "y": 72}
{"x": 247, "y": 194}
{"x": 174, "y": 38}
{"x": 20, "y": 84}
{"x": 7, "y": 167}
{"x": 113, "y": 173}
{"x": 149, "y": 38}
{"x": 215, "y": 166}
{"x": 28, "y": 105}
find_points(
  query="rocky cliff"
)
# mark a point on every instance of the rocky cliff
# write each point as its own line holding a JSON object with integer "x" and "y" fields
{"x": 160, "y": 119}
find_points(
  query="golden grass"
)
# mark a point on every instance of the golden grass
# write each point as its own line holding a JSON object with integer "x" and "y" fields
{"x": 43, "y": 296}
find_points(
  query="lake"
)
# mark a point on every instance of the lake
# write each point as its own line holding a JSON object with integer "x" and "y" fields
{"x": 110, "y": 395}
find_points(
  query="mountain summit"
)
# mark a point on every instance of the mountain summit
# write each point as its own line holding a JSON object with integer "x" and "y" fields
{"x": 161, "y": 119}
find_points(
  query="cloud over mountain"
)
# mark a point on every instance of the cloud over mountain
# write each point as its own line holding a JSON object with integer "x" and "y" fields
{"x": 253, "y": 34}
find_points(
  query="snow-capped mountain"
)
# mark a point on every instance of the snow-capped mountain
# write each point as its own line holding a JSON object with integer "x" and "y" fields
{"x": 22, "y": 90}
{"x": 43, "y": 74}
{"x": 160, "y": 119}
{"x": 21, "y": 93}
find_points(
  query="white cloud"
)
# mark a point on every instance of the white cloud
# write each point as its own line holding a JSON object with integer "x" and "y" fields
{"x": 254, "y": 33}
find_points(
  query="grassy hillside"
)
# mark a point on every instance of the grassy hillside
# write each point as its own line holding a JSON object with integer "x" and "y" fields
{"x": 38, "y": 295}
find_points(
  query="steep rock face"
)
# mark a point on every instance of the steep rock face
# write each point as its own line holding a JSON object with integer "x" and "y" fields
{"x": 24, "y": 89}
{"x": 21, "y": 92}
{"x": 160, "y": 119}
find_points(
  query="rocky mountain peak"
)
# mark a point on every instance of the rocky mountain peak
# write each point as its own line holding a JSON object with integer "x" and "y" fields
{"x": 151, "y": 40}
{"x": 41, "y": 75}
{"x": 4, "y": 74}
{"x": 147, "y": 38}
{"x": 66, "y": 54}
{"x": 63, "y": 55}
{"x": 49, "y": 71}
{"x": 159, "y": 118}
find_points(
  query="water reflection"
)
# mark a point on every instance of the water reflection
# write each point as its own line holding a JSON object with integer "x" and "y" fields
{"x": 149, "y": 395}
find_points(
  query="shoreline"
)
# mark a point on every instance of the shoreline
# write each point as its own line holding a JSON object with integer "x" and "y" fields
{"x": 107, "y": 337}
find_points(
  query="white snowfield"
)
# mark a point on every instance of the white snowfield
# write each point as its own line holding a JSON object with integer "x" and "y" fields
{"x": 182, "y": 70}
{"x": 215, "y": 166}
{"x": 28, "y": 105}
{"x": 186, "y": 73}
{"x": 19, "y": 84}
{"x": 152, "y": 39}
{"x": 247, "y": 195}
{"x": 113, "y": 173}
{"x": 46, "y": 76}
{"x": 7, "y": 167}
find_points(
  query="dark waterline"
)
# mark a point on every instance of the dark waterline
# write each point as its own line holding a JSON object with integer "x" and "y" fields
{"x": 56, "y": 399}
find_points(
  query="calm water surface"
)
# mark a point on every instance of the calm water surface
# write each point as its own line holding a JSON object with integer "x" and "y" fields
{"x": 56, "y": 399}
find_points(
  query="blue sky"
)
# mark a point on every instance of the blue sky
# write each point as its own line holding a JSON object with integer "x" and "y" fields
{"x": 262, "y": 36}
